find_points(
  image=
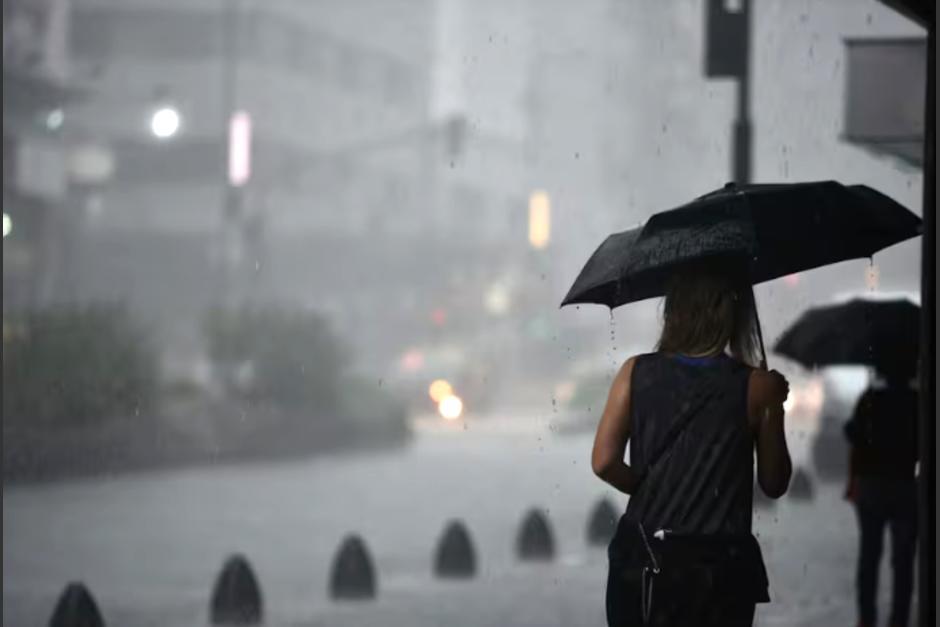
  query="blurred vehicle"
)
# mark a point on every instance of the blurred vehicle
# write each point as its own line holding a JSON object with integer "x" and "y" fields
{"x": 447, "y": 379}
{"x": 842, "y": 387}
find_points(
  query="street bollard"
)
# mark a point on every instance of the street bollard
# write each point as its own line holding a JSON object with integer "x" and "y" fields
{"x": 535, "y": 541}
{"x": 455, "y": 557}
{"x": 76, "y": 608}
{"x": 602, "y": 523}
{"x": 353, "y": 575}
{"x": 801, "y": 486}
{"x": 236, "y": 598}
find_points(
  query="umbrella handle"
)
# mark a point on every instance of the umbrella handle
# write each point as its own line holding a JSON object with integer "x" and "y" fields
{"x": 760, "y": 337}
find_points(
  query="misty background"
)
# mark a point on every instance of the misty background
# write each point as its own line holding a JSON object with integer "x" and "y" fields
{"x": 242, "y": 239}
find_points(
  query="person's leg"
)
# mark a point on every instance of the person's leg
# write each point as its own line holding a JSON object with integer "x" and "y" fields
{"x": 871, "y": 524}
{"x": 903, "y": 540}
{"x": 741, "y": 616}
{"x": 728, "y": 613}
{"x": 622, "y": 598}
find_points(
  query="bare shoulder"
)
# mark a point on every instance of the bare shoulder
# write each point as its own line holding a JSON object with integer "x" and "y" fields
{"x": 625, "y": 374}
{"x": 621, "y": 383}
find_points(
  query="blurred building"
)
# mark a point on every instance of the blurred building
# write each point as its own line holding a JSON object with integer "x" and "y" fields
{"x": 35, "y": 181}
{"x": 335, "y": 95}
{"x": 393, "y": 155}
{"x": 400, "y": 158}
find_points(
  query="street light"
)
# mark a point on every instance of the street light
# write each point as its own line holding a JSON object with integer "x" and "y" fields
{"x": 165, "y": 122}
{"x": 7, "y": 225}
{"x": 540, "y": 221}
{"x": 54, "y": 119}
{"x": 239, "y": 148}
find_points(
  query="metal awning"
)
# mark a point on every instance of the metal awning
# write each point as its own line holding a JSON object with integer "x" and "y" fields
{"x": 885, "y": 96}
{"x": 920, "y": 11}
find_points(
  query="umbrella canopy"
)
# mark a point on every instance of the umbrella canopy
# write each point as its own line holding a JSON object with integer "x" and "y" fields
{"x": 775, "y": 230}
{"x": 883, "y": 334}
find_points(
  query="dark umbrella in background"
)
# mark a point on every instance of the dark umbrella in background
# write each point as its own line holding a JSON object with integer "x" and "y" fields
{"x": 883, "y": 334}
{"x": 775, "y": 230}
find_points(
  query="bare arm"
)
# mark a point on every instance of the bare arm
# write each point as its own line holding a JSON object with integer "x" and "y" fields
{"x": 766, "y": 393}
{"x": 613, "y": 433}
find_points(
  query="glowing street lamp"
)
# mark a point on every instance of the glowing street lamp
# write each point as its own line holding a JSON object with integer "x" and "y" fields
{"x": 7, "y": 225}
{"x": 54, "y": 119}
{"x": 540, "y": 220}
{"x": 239, "y": 148}
{"x": 165, "y": 122}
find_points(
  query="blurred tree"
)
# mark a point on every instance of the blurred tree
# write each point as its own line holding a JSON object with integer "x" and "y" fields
{"x": 74, "y": 365}
{"x": 292, "y": 359}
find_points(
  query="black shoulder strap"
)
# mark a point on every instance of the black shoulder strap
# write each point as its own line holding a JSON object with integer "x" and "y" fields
{"x": 705, "y": 389}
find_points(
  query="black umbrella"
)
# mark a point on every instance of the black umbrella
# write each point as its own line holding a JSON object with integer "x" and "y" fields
{"x": 775, "y": 229}
{"x": 884, "y": 334}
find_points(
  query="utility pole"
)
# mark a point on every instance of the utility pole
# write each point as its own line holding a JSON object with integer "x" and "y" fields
{"x": 927, "y": 610}
{"x": 728, "y": 55}
{"x": 231, "y": 249}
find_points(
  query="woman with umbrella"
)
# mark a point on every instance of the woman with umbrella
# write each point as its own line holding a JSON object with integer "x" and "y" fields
{"x": 703, "y": 499}
{"x": 695, "y": 411}
{"x": 882, "y": 433}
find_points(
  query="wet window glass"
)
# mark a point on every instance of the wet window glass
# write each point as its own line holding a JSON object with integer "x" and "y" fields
{"x": 323, "y": 312}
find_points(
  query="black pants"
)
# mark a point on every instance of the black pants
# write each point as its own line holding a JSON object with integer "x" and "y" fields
{"x": 893, "y": 504}
{"x": 701, "y": 584}
{"x": 623, "y": 609}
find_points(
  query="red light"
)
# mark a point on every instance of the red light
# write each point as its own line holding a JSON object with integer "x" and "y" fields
{"x": 439, "y": 317}
{"x": 412, "y": 360}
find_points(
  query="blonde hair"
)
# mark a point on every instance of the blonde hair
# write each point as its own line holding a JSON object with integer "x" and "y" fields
{"x": 709, "y": 307}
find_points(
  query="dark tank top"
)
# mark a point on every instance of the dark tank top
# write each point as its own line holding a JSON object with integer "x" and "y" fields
{"x": 703, "y": 484}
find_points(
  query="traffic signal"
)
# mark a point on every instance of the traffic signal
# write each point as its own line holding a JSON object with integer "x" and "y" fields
{"x": 726, "y": 38}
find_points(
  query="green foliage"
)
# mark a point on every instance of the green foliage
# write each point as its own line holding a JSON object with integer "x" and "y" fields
{"x": 285, "y": 357}
{"x": 74, "y": 365}
{"x": 371, "y": 409}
